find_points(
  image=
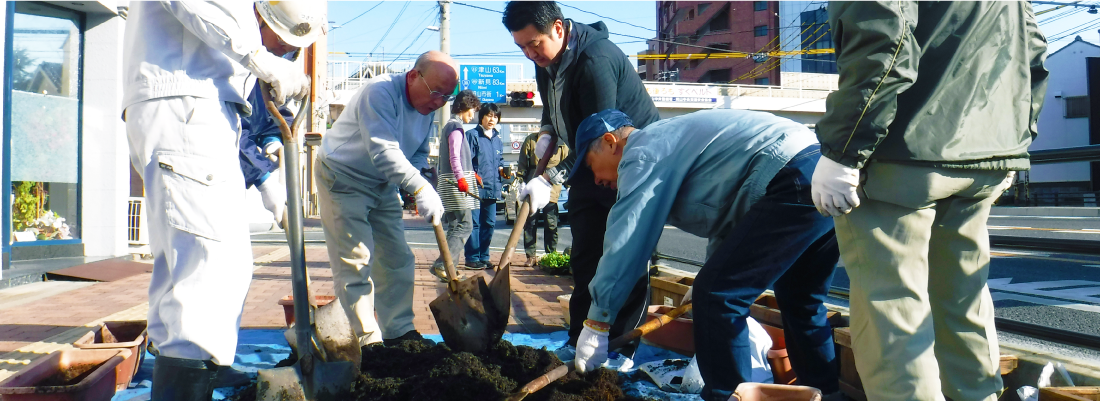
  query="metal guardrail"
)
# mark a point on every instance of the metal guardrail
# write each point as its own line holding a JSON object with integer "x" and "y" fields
{"x": 1089, "y": 153}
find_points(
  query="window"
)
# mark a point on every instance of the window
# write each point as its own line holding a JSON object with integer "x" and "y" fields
{"x": 760, "y": 30}
{"x": 691, "y": 14}
{"x": 759, "y": 5}
{"x": 45, "y": 129}
{"x": 762, "y": 81}
{"x": 1077, "y": 106}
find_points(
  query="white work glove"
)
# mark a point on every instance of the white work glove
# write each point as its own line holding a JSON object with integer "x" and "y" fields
{"x": 687, "y": 295}
{"x": 833, "y": 188}
{"x": 286, "y": 78}
{"x": 272, "y": 151}
{"x": 1009, "y": 180}
{"x": 273, "y": 195}
{"x": 429, "y": 205}
{"x": 591, "y": 346}
{"x": 539, "y": 189}
{"x": 542, "y": 144}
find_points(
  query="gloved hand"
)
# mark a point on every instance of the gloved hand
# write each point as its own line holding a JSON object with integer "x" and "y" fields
{"x": 592, "y": 346}
{"x": 273, "y": 195}
{"x": 1009, "y": 180}
{"x": 273, "y": 150}
{"x": 539, "y": 190}
{"x": 833, "y": 188}
{"x": 286, "y": 78}
{"x": 428, "y": 204}
{"x": 479, "y": 183}
{"x": 687, "y": 295}
{"x": 462, "y": 185}
{"x": 542, "y": 144}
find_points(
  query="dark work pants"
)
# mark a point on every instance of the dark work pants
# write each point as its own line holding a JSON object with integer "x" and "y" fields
{"x": 784, "y": 243}
{"x": 549, "y": 234}
{"x": 589, "y": 206}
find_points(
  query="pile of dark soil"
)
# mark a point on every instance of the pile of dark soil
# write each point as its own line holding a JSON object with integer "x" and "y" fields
{"x": 413, "y": 371}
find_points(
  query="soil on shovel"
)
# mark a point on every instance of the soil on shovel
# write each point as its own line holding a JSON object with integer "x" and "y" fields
{"x": 413, "y": 371}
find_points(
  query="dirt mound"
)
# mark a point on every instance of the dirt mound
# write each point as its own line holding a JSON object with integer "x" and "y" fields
{"x": 413, "y": 371}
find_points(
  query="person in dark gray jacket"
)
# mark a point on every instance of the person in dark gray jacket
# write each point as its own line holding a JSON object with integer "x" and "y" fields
{"x": 580, "y": 72}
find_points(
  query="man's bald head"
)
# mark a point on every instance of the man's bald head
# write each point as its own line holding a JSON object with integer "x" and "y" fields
{"x": 434, "y": 77}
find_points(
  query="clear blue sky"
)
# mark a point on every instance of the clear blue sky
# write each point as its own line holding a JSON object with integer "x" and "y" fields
{"x": 477, "y": 36}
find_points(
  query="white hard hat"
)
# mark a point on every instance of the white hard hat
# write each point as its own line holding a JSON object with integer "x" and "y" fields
{"x": 296, "y": 22}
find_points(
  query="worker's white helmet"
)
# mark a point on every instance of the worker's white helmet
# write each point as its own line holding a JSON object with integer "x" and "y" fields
{"x": 296, "y": 22}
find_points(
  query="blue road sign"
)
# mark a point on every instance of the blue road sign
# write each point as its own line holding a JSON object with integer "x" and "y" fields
{"x": 489, "y": 82}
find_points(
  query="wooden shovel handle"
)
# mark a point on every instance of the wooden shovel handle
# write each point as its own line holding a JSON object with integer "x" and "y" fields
{"x": 560, "y": 371}
{"x": 525, "y": 207}
{"x": 445, "y": 254}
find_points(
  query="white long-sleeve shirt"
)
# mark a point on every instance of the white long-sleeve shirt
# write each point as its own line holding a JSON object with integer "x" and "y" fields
{"x": 379, "y": 137}
{"x": 189, "y": 48}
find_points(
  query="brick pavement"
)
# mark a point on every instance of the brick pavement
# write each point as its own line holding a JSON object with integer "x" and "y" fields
{"x": 35, "y": 329}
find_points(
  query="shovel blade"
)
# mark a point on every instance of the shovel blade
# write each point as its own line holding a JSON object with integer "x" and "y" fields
{"x": 333, "y": 331}
{"x": 466, "y": 316}
{"x": 324, "y": 381}
{"x": 500, "y": 291}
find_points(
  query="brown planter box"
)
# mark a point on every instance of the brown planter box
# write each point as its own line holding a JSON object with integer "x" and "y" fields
{"x": 1069, "y": 394}
{"x": 852, "y": 386}
{"x": 677, "y": 336}
{"x": 774, "y": 392}
{"x": 288, "y": 305}
{"x": 128, "y": 335}
{"x": 69, "y": 375}
{"x": 669, "y": 290}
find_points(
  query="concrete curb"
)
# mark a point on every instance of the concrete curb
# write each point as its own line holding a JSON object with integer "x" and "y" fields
{"x": 1045, "y": 211}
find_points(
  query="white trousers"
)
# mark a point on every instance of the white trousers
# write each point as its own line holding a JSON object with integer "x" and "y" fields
{"x": 186, "y": 150}
{"x": 372, "y": 265}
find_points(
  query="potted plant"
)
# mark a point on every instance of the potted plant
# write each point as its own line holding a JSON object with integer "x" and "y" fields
{"x": 556, "y": 263}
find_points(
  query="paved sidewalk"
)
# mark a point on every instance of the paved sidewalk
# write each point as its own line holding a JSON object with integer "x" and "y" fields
{"x": 30, "y": 330}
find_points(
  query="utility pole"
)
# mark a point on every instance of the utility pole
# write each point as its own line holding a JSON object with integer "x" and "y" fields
{"x": 445, "y": 47}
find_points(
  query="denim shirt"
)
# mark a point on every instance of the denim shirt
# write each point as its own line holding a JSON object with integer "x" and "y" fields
{"x": 699, "y": 172}
{"x": 488, "y": 159}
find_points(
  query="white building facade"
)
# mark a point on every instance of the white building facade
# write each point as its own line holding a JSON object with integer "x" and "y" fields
{"x": 1064, "y": 120}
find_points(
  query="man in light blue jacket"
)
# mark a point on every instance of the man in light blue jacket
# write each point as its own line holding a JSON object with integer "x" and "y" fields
{"x": 742, "y": 180}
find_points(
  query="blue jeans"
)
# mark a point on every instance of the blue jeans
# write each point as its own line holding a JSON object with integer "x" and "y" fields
{"x": 485, "y": 221}
{"x": 784, "y": 243}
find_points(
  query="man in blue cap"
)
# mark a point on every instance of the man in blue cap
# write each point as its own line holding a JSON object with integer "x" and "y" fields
{"x": 741, "y": 179}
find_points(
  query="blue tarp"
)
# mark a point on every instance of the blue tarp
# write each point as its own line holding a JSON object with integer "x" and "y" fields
{"x": 262, "y": 349}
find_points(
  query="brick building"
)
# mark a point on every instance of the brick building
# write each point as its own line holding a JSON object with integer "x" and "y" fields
{"x": 800, "y": 25}
{"x": 715, "y": 27}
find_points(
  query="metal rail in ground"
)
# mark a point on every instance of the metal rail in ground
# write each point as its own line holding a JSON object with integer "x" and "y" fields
{"x": 1046, "y": 244}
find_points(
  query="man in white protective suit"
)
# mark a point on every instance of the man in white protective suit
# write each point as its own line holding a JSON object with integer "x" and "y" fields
{"x": 189, "y": 66}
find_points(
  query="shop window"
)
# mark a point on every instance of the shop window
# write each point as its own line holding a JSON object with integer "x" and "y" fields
{"x": 45, "y": 123}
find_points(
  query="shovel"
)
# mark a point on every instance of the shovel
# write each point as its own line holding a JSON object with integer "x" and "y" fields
{"x": 466, "y": 321}
{"x": 501, "y": 286}
{"x": 561, "y": 371}
{"x": 327, "y": 348}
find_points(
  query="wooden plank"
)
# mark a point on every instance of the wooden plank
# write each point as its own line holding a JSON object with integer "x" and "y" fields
{"x": 1069, "y": 394}
{"x": 1008, "y": 364}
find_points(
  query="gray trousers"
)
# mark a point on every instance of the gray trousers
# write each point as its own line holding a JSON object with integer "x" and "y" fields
{"x": 917, "y": 254}
{"x": 458, "y": 224}
{"x": 372, "y": 265}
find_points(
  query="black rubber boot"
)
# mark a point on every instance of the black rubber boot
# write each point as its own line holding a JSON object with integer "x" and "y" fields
{"x": 178, "y": 379}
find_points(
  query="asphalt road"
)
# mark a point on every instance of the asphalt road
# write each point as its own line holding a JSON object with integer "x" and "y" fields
{"x": 1048, "y": 289}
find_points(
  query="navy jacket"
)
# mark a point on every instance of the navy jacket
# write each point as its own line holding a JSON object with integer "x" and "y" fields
{"x": 488, "y": 159}
{"x": 258, "y": 130}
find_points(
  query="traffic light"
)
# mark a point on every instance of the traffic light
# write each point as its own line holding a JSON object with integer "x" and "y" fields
{"x": 522, "y": 99}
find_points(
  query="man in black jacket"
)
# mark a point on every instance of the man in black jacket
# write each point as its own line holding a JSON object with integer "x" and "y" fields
{"x": 580, "y": 73}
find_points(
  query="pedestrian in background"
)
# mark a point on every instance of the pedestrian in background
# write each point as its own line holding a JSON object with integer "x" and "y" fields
{"x": 528, "y": 160}
{"x": 488, "y": 151}
{"x": 958, "y": 87}
{"x": 457, "y": 178}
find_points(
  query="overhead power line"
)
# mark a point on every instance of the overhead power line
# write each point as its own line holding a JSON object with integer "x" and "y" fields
{"x": 607, "y": 18}
{"x": 390, "y": 29}
{"x": 363, "y": 13}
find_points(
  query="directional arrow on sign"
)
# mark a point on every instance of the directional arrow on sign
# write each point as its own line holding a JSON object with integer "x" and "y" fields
{"x": 465, "y": 73}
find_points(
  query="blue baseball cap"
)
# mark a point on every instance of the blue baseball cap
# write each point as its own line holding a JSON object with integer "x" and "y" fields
{"x": 593, "y": 128}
